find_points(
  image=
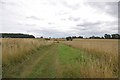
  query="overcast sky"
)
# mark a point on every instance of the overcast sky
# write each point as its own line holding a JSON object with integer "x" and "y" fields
{"x": 58, "y": 18}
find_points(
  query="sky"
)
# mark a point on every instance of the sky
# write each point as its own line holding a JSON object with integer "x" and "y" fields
{"x": 58, "y": 18}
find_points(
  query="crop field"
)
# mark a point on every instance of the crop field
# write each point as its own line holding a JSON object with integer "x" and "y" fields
{"x": 104, "y": 56}
{"x": 39, "y": 58}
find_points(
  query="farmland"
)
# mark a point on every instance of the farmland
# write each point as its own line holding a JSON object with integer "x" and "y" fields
{"x": 39, "y": 58}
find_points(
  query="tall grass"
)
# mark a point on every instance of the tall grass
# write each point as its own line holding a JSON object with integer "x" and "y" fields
{"x": 102, "y": 57}
{"x": 14, "y": 50}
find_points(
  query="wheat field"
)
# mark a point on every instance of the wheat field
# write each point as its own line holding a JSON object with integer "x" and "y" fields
{"x": 106, "y": 53}
{"x": 16, "y": 49}
{"x": 87, "y": 58}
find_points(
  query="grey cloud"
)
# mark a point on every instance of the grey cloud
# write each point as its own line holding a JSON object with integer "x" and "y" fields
{"x": 33, "y": 17}
{"x": 51, "y": 23}
{"x": 89, "y": 24}
{"x": 2, "y": 2}
{"x": 70, "y": 18}
{"x": 91, "y": 31}
{"x": 30, "y": 25}
{"x": 73, "y": 19}
{"x": 73, "y": 7}
{"x": 113, "y": 28}
{"x": 62, "y": 12}
{"x": 119, "y": 12}
{"x": 88, "y": 29}
{"x": 6, "y": 2}
{"x": 112, "y": 7}
{"x": 10, "y": 2}
{"x": 52, "y": 2}
{"x": 49, "y": 33}
{"x": 19, "y": 24}
{"x": 63, "y": 19}
{"x": 119, "y": 17}
{"x": 111, "y": 23}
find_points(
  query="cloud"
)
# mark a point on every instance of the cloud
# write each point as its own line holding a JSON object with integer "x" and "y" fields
{"x": 58, "y": 18}
{"x": 7, "y": 3}
{"x": 33, "y": 17}
{"x": 49, "y": 33}
{"x": 89, "y": 24}
{"x": 108, "y": 7}
{"x": 33, "y": 25}
{"x": 74, "y": 19}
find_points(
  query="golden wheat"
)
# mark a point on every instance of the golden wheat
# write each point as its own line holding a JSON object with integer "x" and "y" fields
{"x": 15, "y": 49}
{"x": 104, "y": 57}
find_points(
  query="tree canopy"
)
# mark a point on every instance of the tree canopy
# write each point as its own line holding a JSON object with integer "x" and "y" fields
{"x": 15, "y": 35}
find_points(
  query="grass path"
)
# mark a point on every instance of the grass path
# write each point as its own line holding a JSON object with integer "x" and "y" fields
{"x": 53, "y": 61}
{"x": 24, "y": 69}
{"x": 27, "y": 70}
{"x": 58, "y": 63}
{"x": 46, "y": 67}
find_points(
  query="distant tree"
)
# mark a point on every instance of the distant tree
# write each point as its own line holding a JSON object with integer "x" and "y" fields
{"x": 102, "y": 37}
{"x": 41, "y": 37}
{"x": 115, "y": 36}
{"x": 16, "y": 35}
{"x": 74, "y": 37}
{"x": 80, "y": 37}
{"x": 69, "y": 38}
{"x": 107, "y": 36}
{"x": 95, "y": 37}
{"x": 92, "y": 37}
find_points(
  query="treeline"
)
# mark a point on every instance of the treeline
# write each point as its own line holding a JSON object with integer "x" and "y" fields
{"x": 106, "y": 36}
{"x": 15, "y": 35}
{"x": 112, "y": 36}
{"x": 19, "y": 35}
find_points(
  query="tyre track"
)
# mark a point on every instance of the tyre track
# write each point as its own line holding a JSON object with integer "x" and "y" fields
{"x": 28, "y": 69}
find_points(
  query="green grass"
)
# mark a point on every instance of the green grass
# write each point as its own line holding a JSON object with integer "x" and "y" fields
{"x": 70, "y": 59}
{"x": 45, "y": 67}
{"x": 69, "y": 55}
{"x": 60, "y": 61}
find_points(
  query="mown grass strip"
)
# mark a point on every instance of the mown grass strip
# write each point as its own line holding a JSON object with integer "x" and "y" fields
{"x": 70, "y": 59}
{"x": 46, "y": 67}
